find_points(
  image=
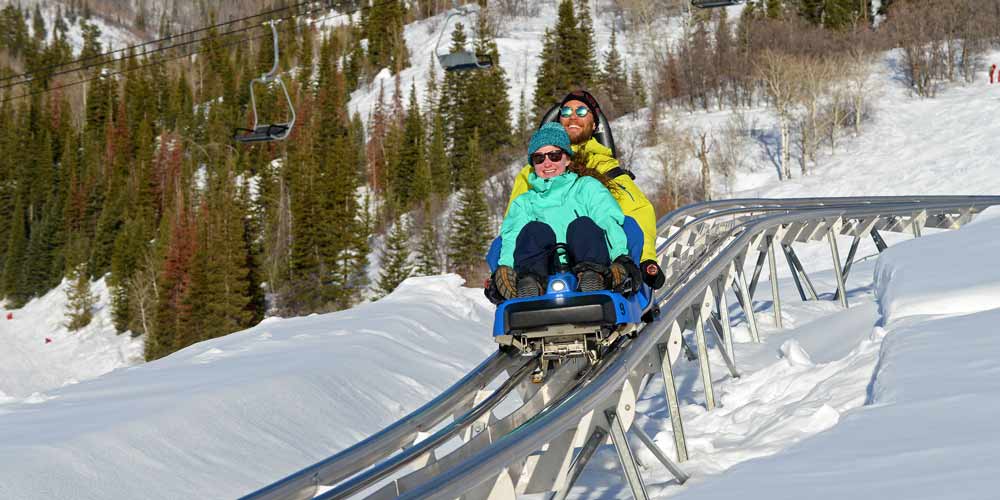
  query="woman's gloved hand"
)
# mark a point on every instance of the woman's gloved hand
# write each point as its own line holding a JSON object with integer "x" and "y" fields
{"x": 652, "y": 274}
{"x": 502, "y": 285}
{"x": 625, "y": 276}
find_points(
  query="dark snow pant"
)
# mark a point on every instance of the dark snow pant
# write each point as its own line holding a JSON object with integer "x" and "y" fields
{"x": 535, "y": 246}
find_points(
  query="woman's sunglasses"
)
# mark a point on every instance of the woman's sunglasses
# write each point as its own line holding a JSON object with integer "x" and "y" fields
{"x": 539, "y": 158}
{"x": 567, "y": 111}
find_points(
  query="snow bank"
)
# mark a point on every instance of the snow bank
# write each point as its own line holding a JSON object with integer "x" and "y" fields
{"x": 927, "y": 432}
{"x": 226, "y": 416}
{"x": 954, "y": 272}
{"x": 38, "y": 353}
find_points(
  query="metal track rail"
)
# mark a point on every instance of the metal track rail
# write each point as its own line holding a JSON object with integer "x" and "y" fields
{"x": 305, "y": 483}
{"x": 578, "y": 407}
{"x": 602, "y": 395}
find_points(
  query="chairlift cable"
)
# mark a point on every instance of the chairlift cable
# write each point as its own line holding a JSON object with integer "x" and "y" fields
{"x": 154, "y": 51}
{"x": 162, "y": 61}
{"x": 151, "y": 42}
{"x": 27, "y": 76}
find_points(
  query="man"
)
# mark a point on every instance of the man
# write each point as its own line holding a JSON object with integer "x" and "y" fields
{"x": 578, "y": 116}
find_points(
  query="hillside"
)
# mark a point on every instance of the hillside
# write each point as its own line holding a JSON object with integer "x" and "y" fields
{"x": 225, "y": 416}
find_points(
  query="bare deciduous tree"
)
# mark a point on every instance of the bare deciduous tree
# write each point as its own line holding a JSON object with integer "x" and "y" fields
{"x": 780, "y": 76}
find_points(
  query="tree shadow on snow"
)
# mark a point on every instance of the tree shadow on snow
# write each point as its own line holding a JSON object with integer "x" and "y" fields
{"x": 770, "y": 145}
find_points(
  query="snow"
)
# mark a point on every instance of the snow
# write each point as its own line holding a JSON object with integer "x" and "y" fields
{"x": 228, "y": 415}
{"x": 969, "y": 283}
{"x": 29, "y": 367}
{"x": 896, "y": 395}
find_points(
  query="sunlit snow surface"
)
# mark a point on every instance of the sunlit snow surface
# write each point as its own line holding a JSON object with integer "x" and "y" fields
{"x": 895, "y": 397}
{"x": 227, "y": 415}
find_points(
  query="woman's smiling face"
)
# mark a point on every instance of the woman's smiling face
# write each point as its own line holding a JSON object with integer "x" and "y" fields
{"x": 548, "y": 169}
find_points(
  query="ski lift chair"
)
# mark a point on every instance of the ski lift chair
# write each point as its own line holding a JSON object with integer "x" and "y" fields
{"x": 602, "y": 130}
{"x": 461, "y": 60}
{"x": 711, "y": 4}
{"x": 269, "y": 131}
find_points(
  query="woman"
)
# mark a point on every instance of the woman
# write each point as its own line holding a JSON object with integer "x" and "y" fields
{"x": 562, "y": 206}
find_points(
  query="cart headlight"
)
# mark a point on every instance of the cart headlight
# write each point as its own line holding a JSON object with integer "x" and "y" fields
{"x": 557, "y": 286}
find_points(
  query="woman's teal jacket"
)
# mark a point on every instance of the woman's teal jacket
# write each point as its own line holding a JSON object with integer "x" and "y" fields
{"x": 559, "y": 201}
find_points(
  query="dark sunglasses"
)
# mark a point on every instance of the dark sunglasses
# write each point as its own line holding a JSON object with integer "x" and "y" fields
{"x": 539, "y": 158}
{"x": 567, "y": 111}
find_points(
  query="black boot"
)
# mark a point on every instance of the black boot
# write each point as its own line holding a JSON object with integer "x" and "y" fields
{"x": 590, "y": 277}
{"x": 529, "y": 285}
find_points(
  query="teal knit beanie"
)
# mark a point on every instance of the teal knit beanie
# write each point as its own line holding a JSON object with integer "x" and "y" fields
{"x": 550, "y": 134}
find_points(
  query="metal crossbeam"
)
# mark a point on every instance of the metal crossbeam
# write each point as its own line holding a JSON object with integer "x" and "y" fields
{"x": 674, "y": 469}
{"x": 799, "y": 269}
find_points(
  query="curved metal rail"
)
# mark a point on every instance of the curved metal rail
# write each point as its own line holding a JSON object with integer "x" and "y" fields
{"x": 305, "y": 483}
{"x": 491, "y": 466}
{"x": 707, "y": 242}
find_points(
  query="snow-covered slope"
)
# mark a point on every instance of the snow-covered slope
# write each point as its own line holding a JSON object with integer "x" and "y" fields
{"x": 38, "y": 353}
{"x": 888, "y": 396}
{"x": 225, "y": 416}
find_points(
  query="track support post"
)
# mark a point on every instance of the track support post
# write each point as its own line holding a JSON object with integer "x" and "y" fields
{"x": 597, "y": 437}
{"x": 670, "y": 391}
{"x": 837, "y": 272}
{"x": 629, "y": 465}
{"x": 705, "y": 368}
{"x": 775, "y": 295}
{"x": 747, "y": 303}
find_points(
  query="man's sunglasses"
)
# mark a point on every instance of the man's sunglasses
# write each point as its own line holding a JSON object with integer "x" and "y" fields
{"x": 539, "y": 158}
{"x": 567, "y": 111}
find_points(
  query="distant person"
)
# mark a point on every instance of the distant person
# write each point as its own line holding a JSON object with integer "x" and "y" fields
{"x": 992, "y": 69}
{"x": 578, "y": 116}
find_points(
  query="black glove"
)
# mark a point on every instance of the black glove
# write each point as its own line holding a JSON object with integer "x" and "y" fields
{"x": 502, "y": 285}
{"x": 491, "y": 292}
{"x": 625, "y": 276}
{"x": 652, "y": 274}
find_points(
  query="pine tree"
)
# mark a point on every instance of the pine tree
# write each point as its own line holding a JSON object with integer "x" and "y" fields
{"x": 639, "y": 97}
{"x": 470, "y": 225}
{"x": 437, "y": 159}
{"x": 395, "y": 258}
{"x": 488, "y": 90}
{"x": 413, "y": 154}
{"x": 521, "y": 130}
{"x": 614, "y": 82}
{"x": 773, "y": 9}
{"x": 587, "y": 44}
{"x": 80, "y": 300}
{"x": 567, "y": 59}
{"x": 378, "y": 127}
{"x": 175, "y": 279}
{"x": 14, "y": 286}
{"x": 383, "y": 27}
{"x": 454, "y": 97}
{"x": 38, "y": 24}
{"x": 428, "y": 260}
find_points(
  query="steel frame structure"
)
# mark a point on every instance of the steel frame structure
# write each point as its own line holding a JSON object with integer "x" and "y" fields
{"x": 562, "y": 422}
